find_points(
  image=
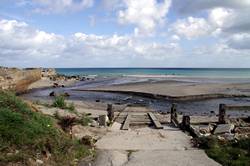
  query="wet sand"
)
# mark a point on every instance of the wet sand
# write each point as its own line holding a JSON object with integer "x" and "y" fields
{"x": 181, "y": 88}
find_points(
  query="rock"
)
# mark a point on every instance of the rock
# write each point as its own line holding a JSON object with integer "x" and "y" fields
{"x": 94, "y": 123}
{"x": 207, "y": 129}
{"x": 39, "y": 162}
{"x": 66, "y": 94}
{"x": 18, "y": 79}
{"x": 55, "y": 85}
{"x": 1, "y": 78}
{"x": 88, "y": 140}
{"x": 223, "y": 128}
{"x": 97, "y": 100}
{"x": 52, "y": 93}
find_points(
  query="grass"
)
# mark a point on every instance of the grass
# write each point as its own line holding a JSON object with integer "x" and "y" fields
{"x": 26, "y": 134}
{"x": 60, "y": 102}
{"x": 230, "y": 153}
{"x": 84, "y": 120}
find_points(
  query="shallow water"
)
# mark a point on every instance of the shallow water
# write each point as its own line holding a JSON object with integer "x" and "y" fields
{"x": 203, "y": 107}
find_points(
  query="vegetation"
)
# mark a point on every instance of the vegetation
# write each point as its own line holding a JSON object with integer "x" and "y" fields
{"x": 230, "y": 153}
{"x": 84, "y": 120}
{"x": 26, "y": 135}
{"x": 60, "y": 102}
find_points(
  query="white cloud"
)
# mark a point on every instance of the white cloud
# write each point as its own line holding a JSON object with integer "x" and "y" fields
{"x": 59, "y": 6}
{"x": 34, "y": 47}
{"x": 221, "y": 17}
{"x": 175, "y": 37}
{"x": 191, "y": 27}
{"x": 18, "y": 36}
{"x": 146, "y": 15}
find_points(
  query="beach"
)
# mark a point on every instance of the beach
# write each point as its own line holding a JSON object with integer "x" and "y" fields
{"x": 198, "y": 98}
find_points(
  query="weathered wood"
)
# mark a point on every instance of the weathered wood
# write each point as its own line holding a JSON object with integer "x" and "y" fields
{"x": 110, "y": 111}
{"x": 155, "y": 121}
{"x": 173, "y": 112}
{"x": 174, "y": 116}
{"x": 126, "y": 123}
{"x": 102, "y": 120}
{"x": 237, "y": 107}
{"x": 185, "y": 122}
{"x": 222, "y": 113}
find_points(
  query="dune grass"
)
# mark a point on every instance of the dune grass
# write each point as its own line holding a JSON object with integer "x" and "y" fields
{"x": 31, "y": 135}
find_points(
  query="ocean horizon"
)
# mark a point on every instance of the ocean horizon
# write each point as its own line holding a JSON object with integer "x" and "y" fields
{"x": 159, "y": 72}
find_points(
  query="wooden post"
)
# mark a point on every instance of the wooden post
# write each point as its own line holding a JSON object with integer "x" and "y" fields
{"x": 110, "y": 112}
{"x": 173, "y": 112}
{"x": 222, "y": 113}
{"x": 186, "y": 122}
{"x": 102, "y": 120}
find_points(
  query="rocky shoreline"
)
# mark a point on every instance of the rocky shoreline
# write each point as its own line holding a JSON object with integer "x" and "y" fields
{"x": 22, "y": 80}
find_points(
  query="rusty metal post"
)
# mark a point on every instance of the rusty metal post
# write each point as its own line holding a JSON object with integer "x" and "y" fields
{"x": 110, "y": 112}
{"x": 222, "y": 113}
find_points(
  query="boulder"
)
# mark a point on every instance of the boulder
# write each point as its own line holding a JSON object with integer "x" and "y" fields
{"x": 223, "y": 128}
{"x": 52, "y": 93}
{"x": 88, "y": 140}
{"x": 94, "y": 123}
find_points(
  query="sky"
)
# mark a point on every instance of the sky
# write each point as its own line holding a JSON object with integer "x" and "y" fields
{"x": 125, "y": 33}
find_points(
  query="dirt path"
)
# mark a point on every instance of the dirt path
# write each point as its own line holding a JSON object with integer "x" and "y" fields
{"x": 147, "y": 147}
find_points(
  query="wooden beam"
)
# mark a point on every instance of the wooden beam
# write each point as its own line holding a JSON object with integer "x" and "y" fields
{"x": 237, "y": 107}
{"x": 126, "y": 123}
{"x": 155, "y": 121}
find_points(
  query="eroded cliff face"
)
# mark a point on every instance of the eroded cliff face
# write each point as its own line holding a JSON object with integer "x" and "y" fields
{"x": 18, "y": 79}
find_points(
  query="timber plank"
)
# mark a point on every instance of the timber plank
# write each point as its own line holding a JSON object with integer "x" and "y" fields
{"x": 126, "y": 123}
{"x": 155, "y": 121}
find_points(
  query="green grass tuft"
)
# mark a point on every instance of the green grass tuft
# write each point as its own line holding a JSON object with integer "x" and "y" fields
{"x": 59, "y": 102}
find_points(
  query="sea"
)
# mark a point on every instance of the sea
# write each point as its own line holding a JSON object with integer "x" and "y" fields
{"x": 161, "y": 72}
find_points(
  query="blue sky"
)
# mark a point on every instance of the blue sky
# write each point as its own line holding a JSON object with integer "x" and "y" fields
{"x": 125, "y": 33}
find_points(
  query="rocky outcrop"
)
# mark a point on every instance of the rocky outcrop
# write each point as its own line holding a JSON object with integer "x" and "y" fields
{"x": 18, "y": 79}
{"x": 50, "y": 72}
